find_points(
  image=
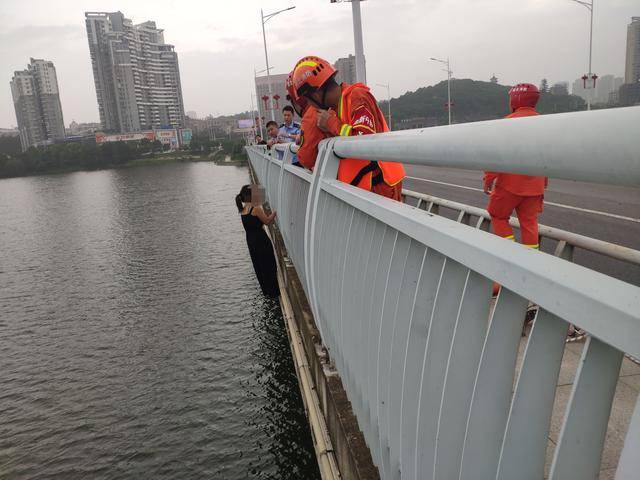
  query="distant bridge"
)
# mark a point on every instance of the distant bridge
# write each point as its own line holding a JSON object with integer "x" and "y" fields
{"x": 402, "y": 299}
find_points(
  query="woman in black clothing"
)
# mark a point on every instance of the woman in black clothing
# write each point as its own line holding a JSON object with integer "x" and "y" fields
{"x": 260, "y": 248}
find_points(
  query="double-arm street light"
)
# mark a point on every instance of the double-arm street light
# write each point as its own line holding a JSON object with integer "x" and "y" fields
{"x": 265, "y": 18}
{"x": 590, "y": 76}
{"x": 255, "y": 84}
{"x": 449, "y": 72}
{"x": 386, "y": 85}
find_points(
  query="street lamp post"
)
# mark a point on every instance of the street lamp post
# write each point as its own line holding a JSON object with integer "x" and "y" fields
{"x": 386, "y": 85}
{"x": 590, "y": 75}
{"x": 361, "y": 72}
{"x": 265, "y": 19}
{"x": 449, "y": 72}
{"x": 253, "y": 118}
{"x": 255, "y": 113}
{"x": 255, "y": 84}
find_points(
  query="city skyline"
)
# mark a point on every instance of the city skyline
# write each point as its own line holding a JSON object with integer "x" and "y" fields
{"x": 220, "y": 48}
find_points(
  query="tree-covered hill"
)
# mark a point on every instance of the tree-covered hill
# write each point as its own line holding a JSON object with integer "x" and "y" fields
{"x": 472, "y": 100}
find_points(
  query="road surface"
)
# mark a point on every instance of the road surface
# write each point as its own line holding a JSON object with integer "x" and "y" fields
{"x": 599, "y": 211}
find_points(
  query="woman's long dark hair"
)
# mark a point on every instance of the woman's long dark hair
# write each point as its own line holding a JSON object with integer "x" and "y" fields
{"x": 243, "y": 196}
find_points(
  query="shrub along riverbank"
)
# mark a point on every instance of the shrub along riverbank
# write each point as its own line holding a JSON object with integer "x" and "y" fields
{"x": 70, "y": 157}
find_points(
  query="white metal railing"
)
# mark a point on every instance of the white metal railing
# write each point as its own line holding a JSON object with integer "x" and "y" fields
{"x": 467, "y": 213}
{"x": 401, "y": 298}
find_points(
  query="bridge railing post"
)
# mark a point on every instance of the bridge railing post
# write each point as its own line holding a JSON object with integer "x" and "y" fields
{"x": 326, "y": 167}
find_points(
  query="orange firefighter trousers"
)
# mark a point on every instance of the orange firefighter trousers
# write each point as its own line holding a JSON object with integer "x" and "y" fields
{"x": 503, "y": 202}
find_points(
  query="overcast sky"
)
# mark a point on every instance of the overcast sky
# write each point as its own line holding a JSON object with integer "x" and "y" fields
{"x": 219, "y": 43}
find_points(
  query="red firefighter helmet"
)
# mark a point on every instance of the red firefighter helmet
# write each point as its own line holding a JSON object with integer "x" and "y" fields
{"x": 293, "y": 96}
{"x": 311, "y": 73}
{"x": 523, "y": 95}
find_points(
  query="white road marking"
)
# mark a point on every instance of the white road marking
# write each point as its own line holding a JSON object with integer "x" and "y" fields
{"x": 560, "y": 205}
{"x": 445, "y": 183}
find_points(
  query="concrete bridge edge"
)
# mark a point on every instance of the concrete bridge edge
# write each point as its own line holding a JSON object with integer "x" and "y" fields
{"x": 347, "y": 442}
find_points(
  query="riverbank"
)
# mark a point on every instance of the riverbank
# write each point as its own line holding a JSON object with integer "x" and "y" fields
{"x": 158, "y": 159}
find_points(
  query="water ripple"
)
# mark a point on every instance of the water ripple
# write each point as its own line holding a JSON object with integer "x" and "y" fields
{"x": 133, "y": 337}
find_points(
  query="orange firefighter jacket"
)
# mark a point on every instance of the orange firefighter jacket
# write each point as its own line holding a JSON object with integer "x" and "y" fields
{"x": 358, "y": 114}
{"x": 310, "y": 137}
{"x": 523, "y": 185}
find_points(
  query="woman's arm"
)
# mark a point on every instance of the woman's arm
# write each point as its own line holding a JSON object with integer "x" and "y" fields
{"x": 264, "y": 218}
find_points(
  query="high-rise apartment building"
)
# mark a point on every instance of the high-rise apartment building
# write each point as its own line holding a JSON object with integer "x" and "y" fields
{"x": 632, "y": 65}
{"x": 604, "y": 86}
{"x": 579, "y": 90}
{"x": 274, "y": 102}
{"x": 136, "y": 74}
{"x": 36, "y": 98}
{"x": 346, "y": 69}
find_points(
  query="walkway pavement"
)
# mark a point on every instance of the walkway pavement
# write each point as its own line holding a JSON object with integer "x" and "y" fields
{"x": 624, "y": 402}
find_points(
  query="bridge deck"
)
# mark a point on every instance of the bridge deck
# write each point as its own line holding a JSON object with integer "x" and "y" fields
{"x": 627, "y": 392}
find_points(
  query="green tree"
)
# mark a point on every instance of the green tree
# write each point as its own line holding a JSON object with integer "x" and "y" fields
{"x": 472, "y": 101}
{"x": 10, "y": 145}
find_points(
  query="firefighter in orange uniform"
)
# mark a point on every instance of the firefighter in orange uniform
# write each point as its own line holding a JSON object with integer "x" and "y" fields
{"x": 348, "y": 110}
{"x": 310, "y": 134}
{"x": 510, "y": 191}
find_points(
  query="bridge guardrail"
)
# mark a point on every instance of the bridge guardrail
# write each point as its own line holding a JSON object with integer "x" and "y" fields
{"x": 401, "y": 298}
{"x": 432, "y": 204}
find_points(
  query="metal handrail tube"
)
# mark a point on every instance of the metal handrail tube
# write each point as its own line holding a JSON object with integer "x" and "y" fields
{"x": 284, "y": 147}
{"x": 572, "y": 146}
{"x": 601, "y": 247}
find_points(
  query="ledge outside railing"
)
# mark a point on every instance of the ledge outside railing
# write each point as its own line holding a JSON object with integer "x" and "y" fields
{"x": 402, "y": 300}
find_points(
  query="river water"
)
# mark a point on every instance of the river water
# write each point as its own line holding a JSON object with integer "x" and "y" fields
{"x": 134, "y": 340}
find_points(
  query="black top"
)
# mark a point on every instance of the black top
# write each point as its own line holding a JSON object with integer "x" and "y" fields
{"x": 261, "y": 251}
{"x": 250, "y": 222}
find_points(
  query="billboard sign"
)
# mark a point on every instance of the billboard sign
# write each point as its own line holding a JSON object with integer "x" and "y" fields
{"x": 186, "y": 136}
{"x": 124, "y": 137}
{"x": 168, "y": 137}
{"x": 245, "y": 123}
